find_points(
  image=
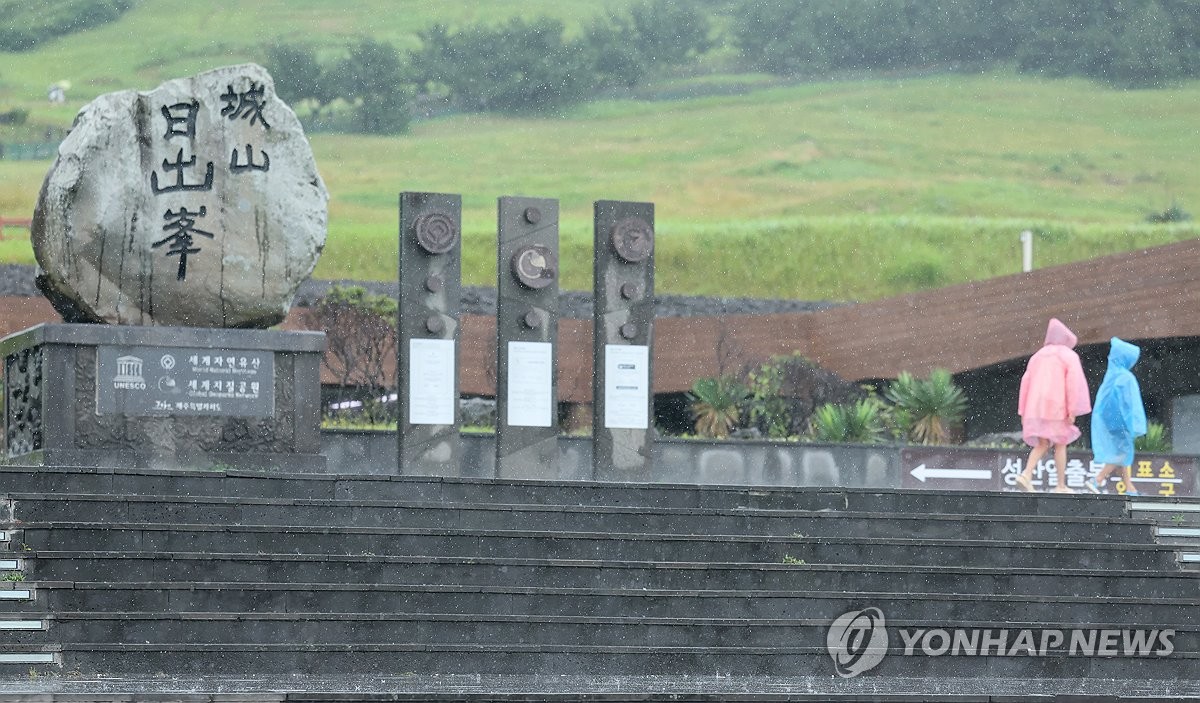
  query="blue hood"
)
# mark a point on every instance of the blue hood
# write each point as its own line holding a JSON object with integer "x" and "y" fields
{"x": 1122, "y": 354}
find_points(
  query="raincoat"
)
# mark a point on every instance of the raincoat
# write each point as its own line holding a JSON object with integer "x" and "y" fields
{"x": 1120, "y": 415}
{"x": 1053, "y": 390}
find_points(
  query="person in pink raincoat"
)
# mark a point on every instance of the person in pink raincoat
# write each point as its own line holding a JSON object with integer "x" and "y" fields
{"x": 1053, "y": 393}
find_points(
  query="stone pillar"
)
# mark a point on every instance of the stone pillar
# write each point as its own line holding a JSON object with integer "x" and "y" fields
{"x": 427, "y": 353}
{"x": 622, "y": 339}
{"x": 1185, "y": 424}
{"x": 526, "y": 338}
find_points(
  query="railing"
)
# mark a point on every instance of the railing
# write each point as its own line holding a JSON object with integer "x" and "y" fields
{"x": 12, "y": 222}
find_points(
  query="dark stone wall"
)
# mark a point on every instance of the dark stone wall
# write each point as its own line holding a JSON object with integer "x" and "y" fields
{"x": 18, "y": 280}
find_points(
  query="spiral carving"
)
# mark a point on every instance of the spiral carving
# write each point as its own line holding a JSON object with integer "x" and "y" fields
{"x": 633, "y": 239}
{"x": 437, "y": 232}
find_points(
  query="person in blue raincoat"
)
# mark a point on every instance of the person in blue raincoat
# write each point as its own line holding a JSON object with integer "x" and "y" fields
{"x": 1118, "y": 416}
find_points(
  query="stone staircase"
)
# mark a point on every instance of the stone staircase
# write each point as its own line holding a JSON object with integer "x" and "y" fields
{"x": 147, "y": 577}
{"x": 1178, "y": 524}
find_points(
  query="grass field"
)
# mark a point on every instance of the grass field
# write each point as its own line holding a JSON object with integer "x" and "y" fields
{"x": 837, "y": 190}
{"x": 162, "y": 39}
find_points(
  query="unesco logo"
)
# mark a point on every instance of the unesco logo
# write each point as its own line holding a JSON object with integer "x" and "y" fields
{"x": 857, "y": 641}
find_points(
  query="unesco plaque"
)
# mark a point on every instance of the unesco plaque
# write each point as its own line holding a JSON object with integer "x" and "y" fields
{"x": 159, "y": 381}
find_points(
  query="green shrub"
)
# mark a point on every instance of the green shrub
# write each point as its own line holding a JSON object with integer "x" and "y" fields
{"x": 15, "y": 116}
{"x": 360, "y": 341}
{"x": 372, "y": 79}
{"x": 927, "y": 410}
{"x": 787, "y": 389}
{"x": 299, "y": 75}
{"x": 615, "y": 62}
{"x": 1174, "y": 213}
{"x": 768, "y": 410}
{"x": 920, "y": 274}
{"x": 1154, "y": 441}
{"x": 863, "y": 421}
{"x": 668, "y": 31}
{"x": 26, "y": 24}
{"x": 716, "y": 405}
{"x": 522, "y": 66}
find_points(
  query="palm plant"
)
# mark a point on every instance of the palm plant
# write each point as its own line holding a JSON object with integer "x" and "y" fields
{"x": 928, "y": 408}
{"x": 716, "y": 405}
{"x": 1154, "y": 441}
{"x": 862, "y": 421}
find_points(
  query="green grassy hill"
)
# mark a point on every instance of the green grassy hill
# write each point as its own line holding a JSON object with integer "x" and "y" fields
{"x": 843, "y": 190}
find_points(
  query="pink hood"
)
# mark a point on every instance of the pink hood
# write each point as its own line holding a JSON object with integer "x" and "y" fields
{"x": 1054, "y": 387}
{"x": 1057, "y": 333}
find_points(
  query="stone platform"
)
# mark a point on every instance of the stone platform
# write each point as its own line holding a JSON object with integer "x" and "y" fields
{"x": 164, "y": 397}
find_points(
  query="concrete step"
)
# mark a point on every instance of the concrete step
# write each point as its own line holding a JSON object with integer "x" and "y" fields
{"x": 768, "y": 549}
{"x": 22, "y": 659}
{"x": 16, "y": 594}
{"x": 1178, "y": 521}
{"x": 559, "y": 544}
{"x": 1181, "y": 536}
{"x": 111, "y": 659}
{"x": 434, "y": 629}
{"x": 169, "y": 597}
{"x": 533, "y": 688}
{"x": 1178, "y": 512}
{"x": 49, "y": 508}
{"x": 250, "y": 484}
{"x": 365, "y": 569}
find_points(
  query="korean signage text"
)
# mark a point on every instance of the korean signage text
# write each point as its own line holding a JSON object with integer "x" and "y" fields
{"x": 160, "y": 381}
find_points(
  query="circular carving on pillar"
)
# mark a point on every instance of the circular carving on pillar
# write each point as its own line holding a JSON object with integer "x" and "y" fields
{"x": 434, "y": 324}
{"x": 633, "y": 239}
{"x": 534, "y": 266}
{"x": 629, "y": 291}
{"x": 533, "y": 215}
{"x": 434, "y": 283}
{"x": 629, "y": 330}
{"x": 437, "y": 232}
{"x": 532, "y": 319}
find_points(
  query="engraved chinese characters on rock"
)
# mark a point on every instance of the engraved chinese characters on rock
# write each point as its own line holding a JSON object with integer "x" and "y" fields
{"x": 196, "y": 204}
{"x": 181, "y": 121}
{"x": 248, "y": 105}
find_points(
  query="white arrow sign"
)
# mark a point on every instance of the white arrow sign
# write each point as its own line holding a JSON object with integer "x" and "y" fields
{"x": 922, "y": 472}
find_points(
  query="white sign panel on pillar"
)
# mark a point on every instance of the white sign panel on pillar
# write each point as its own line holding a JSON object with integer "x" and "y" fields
{"x": 431, "y": 396}
{"x": 530, "y": 384}
{"x": 626, "y": 386}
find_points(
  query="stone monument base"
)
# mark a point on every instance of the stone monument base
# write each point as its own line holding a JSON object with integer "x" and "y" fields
{"x": 162, "y": 397}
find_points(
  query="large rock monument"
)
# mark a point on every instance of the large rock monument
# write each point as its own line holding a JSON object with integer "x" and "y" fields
{"x": 182, "y": 217}
{"x": 196, "y": 204}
